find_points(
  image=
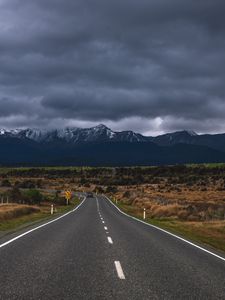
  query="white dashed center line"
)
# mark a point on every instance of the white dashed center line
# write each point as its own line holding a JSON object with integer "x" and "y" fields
{"x": 119, "y": 270}
{"x": 110, "y": 240}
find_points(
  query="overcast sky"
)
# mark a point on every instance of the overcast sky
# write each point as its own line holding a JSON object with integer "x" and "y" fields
{"x": 152, "y": 66}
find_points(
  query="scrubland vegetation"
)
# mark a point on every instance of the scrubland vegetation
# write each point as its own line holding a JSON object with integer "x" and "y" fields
{"x": 25, "y": 201}
{"x": 189, "y": 200}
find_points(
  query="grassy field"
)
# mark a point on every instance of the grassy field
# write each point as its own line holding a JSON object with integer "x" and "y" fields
{"x": 18, "y": 215}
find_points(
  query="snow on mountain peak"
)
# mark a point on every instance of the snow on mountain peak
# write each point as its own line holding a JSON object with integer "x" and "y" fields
{"x": 191, "y": 132}
{"x": 74, "y": 135}
{"x": 100, "y": 126}
{"x": 2, "y": 131}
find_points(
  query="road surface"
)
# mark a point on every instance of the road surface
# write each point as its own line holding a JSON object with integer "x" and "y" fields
{"x": 96, "y": 252}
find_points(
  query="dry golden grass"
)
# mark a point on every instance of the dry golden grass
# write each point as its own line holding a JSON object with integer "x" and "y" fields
{"x": 201, "y": 201}
{"x": 190, "y": 202}
{"x": 179, "y": 203}
{"x": 11, "y": 211}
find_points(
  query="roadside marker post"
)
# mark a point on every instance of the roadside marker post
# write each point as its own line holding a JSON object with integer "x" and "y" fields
{"x": 52, "y": 209}
{"x": 144, "y": 214}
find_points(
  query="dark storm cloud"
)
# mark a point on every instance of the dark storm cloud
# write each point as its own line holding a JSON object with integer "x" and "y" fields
{"x": 150, "y": 65}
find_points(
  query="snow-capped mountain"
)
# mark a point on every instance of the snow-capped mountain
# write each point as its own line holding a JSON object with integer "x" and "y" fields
{"x": 99, "y": 133}
{"x": 101, "y": 146}
{"x": 178, "y": 137}
{"x": 103, "y": 134}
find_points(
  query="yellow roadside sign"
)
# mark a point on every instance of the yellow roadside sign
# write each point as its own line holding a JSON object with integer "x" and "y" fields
{"x": 68, "y": 196}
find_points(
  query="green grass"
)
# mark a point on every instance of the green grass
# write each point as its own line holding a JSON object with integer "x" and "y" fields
{"x": 5, "y": 170}
{"x": 23, "y": 220}
{"x": 192, "y": 231}
{"x": 207, "y": 165}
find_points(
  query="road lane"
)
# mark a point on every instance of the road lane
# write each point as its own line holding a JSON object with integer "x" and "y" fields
{"x": 160, "y": 266}
{"x": 68, "y": 259}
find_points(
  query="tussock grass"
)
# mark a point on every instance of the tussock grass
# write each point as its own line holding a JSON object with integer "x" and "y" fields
{"x": 11, "y": 211}
{"x": 28, "y": 215}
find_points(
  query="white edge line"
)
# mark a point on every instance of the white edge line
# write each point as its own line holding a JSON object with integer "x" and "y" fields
{"x": 110, "y": 240}
{"x": 38, "y": 227}
{"x": 119, "y": 270}
{"x": 105, "y": 228}
{"x": 165, "y": 231}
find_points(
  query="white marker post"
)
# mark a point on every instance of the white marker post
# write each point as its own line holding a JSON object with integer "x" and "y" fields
{"x": 52, "y": 209}
{"x": 144, "y": 214}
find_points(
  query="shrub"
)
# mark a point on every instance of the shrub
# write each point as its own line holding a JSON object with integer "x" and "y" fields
{"x": 15, "y": 195}
{"x": 111, "y": 189}
{"x": 58, "y": 199}
{"x": 33, "y": 196}
{"x": 6, "y": 183}
{"x": 126, "y": 194}
{"x": 26, "y": 184}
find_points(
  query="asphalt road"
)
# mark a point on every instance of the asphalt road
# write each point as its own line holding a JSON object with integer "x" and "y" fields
{"x": 96, "y": 252}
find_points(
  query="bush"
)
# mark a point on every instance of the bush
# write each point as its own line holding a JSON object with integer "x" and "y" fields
{"x": 126, "y": 194}
{"x": 99, "y": 189}
{"x": 111, "y": 189}
{"x": 15, "y": 195}
{"x": 26, "y": 184}
{"x": 33, "y": 196}
{"x": 58, "y": 199}
{"x": 6, "y": 183}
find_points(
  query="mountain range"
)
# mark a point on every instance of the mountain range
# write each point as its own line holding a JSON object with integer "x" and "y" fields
{"x": 101, "y": 146}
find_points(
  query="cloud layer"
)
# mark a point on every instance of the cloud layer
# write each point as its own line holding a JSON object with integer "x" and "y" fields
{"x": 149, "y": 65}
